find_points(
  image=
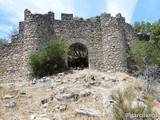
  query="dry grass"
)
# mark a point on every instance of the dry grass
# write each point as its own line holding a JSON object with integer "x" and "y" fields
{"x": 2, "y": 70}
{"x": 124, "y": 101}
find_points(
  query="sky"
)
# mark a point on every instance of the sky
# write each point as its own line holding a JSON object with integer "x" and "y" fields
{"x": 12, "y": 11}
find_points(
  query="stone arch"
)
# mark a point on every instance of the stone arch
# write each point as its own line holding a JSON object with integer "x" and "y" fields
{"x": 77, "y": 56}
{"x": 91, "y": 51}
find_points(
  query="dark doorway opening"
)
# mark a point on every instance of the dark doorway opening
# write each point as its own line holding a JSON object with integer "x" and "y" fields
{"x": 77, "y": 56}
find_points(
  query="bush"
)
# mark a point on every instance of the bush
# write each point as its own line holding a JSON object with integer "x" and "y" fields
{"x": 124, "y": 105}
{"x": 3, "y": 41}
{"x": 49, "y": 60}
{"x": 77, "y": 18}
{"x": 146, "y": 56}
{"x": 144, "y": 53}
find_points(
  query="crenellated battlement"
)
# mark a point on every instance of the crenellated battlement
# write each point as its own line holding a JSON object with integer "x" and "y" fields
{"x": 28, "y": 16}
{"x": 66, "y": 16}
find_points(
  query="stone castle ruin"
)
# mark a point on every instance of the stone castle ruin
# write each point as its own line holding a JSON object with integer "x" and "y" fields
{"x": 105, "y": 38}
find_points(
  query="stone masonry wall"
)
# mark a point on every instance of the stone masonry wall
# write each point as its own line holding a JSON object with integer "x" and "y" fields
{"x": 114, "y": 43}
{"x": 105, "y": 37}
{"x": 11, "y": 56}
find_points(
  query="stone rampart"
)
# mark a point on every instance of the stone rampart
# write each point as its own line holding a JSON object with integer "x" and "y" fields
{"x": 105, "y": 37}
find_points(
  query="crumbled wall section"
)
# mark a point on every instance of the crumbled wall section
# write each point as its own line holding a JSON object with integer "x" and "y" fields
{"x": 11, "y": 60}
{"x": 104, "y": 36}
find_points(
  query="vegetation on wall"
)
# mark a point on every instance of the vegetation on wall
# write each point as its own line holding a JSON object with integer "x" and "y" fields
{"x": 14, "y": 31}
{"x": 49, "y": 60}
{"x": 3, "y": 41}
{"x": 77, "y": 18}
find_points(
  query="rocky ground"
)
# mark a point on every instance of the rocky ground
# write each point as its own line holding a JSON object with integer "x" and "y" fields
{"x": 77, "y": 95}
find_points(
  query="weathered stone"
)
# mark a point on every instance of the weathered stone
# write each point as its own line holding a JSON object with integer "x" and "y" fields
{"x": 44, "y": 101}
{"x": 61, "y": 107}
{"x": 85, "y": 93}
{"x": 61, "y": 89}
{"x": 83, "y": 109}
{"x": 8, "y": 96}
{"x": 10, "y": 104}
{"x": 71, "y": 80}
{"x": 58, "y": 80}
{"x": 107, "y": 103}
{"x": 114, "y": 80}
{"x": 87, "y": 85}
{"x": 23, "y": 93}
{"x": 45, "y": 105}
{"x": 34, "y": 81}
{"x": 28, "y": 101}
{"x": 66, "y": 96}
{"x": 158, "y": 97}
{"x": 42, "y": 80}
{"x": 60, "y": 75}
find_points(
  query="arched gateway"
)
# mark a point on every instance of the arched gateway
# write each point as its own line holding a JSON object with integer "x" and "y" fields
{"x": 90, "y": 58}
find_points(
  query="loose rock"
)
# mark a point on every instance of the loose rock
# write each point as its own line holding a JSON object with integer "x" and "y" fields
{"x": 85, "y": 93}
{"x": 66, "y": 96}
{"x": 61, "y": 107}
{"x": 83, "y": 109}
{"x": 10, "y": 104}
{"x": 8, "y": 96}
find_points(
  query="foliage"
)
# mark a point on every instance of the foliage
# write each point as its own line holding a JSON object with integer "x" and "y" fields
{"x": 155, "y": 36}
{"x": 14, "y": 31}
{"x": 49, "y": 60}
{"x": 144, "y": 53}
{"x": 152, "y": 30}
{"x": 123, "y": 104}
{"x": 93, "y": 19}
{"x": 3, "y": 41}
{"x": 77, "y": 18}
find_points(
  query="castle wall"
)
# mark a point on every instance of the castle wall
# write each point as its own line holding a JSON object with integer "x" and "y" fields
{"x": 105, "y": 37}
{"x": 114, "y": 43}
{"x": 37, "y": 31}
{"x": 11, "y": 60}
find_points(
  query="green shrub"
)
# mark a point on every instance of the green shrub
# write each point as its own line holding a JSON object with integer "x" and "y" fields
{"x": 144, "y": 53}
{"x": 49, "y": 60}
{"x": 77, "y": 18}
{"x": 147, "y": 50}
{"x": 3, "y": 41}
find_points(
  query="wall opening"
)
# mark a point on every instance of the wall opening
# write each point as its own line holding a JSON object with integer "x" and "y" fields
{"x": 78, "y": 56}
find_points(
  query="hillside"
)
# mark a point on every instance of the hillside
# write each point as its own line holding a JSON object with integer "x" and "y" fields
{"x": 76, "y": 95}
